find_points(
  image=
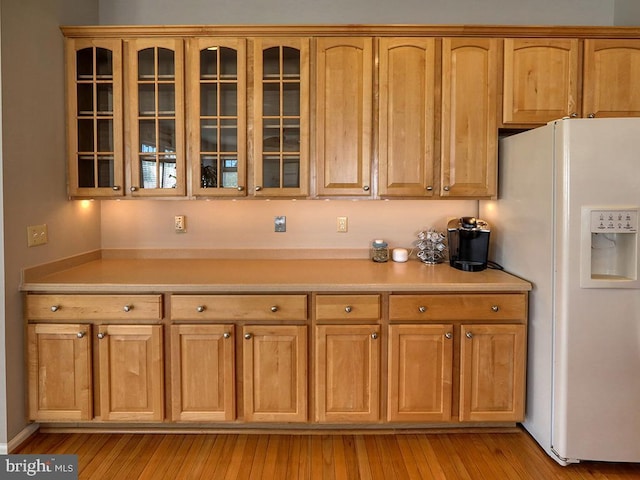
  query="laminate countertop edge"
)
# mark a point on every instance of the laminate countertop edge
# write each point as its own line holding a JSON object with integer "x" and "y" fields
{"x": 207, "y": 275}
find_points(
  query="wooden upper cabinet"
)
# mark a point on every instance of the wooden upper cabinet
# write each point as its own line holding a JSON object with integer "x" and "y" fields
{"x": 344, "y": 101}
{"x": 217, "y": 123}
{"x": 155, "y": 88}
{"x": 94, "y": 117}
{"x": 406, "y": 117}
{"x": 540, "y": 80}
{"x": 281, "y": 117}
{"x": 611, "y": 78}
{"x": 470, "y": 72}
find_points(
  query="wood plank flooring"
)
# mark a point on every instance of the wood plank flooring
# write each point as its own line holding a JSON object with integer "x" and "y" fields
{"x": 454, "y": 456}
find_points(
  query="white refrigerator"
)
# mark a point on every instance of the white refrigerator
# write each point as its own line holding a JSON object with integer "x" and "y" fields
{"x": 566, "y": 219}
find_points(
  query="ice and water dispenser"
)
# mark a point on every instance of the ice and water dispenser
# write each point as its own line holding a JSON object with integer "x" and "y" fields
{"x": 609, "y": 253}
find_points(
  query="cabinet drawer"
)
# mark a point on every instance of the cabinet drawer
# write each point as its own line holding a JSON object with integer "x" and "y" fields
{"x": 347, "y": 307}
{"x": 238, "y": 307}
{"x": 458, "y": 307}
{"x": 94, "y": 307}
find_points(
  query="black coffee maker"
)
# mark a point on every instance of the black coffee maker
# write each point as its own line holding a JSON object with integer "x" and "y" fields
{"x": 468, "y": 243}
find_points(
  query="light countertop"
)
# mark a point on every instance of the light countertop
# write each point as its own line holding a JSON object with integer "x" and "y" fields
{"x": 265, "y": 275}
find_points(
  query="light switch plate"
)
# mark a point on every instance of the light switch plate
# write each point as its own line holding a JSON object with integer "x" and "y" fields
{"x": 37, "y": 235}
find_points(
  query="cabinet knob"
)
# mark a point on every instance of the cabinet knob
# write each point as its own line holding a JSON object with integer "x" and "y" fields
{"x": 365, "y": 188}
{"x": 258, "y": 188}
{"x": 495, "y": 308}
{"x": 374, "y": 335}
{"x": 274, "y": 308}
{"x": 240, "y": 188}
{"x": 115, "y": 188}
{"x": 133, "y": 189}
{"x": 247, "y": 336}
{"x": 200, "y": 308}
{"x": 55, "y": 308}
{"x": 445, "y": 188}
{"x": 127, "y": 308}
{"x": 429, "y": 188}
{"x": 226, "y": 335}
{"x": 422, "y": 309}
{"x": 448, "y": 335}
{"x": 469, "y": 335}
{"x": 101, "y": 335}
{"x": 573, "y": 115}
{"x": 591, "y": 115}
{"x": 81, "y": 334}
{"x": 348, "y": 309}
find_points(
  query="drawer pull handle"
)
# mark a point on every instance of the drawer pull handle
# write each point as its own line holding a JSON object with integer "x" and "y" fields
{"x": 101, "y": 335}
{"x": 226, "y": 335}
{"x": 448, "y": 335}
{"x": 81, "y": 334}
{"x": 274, "y": 309}
{"x": 348, "y": 309}
{"x": 495, "y": 308}
{"x": 374, "y": 335}
{"x": 55, "y": 308}
{"x": 127, "y": 308}
{"x": 200, "y": 308}
{"x": 422, "y": 309}
{"x": 247, "y": 336}
{"x": 469, "y": 335}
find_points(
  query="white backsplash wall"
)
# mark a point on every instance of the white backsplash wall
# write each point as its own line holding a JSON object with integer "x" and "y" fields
{"x": 249, "y": 224}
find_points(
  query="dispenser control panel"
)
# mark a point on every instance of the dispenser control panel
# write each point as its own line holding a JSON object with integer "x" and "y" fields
{"x": 614, "y": 221}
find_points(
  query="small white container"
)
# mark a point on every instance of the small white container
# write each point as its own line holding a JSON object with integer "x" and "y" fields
{"x": 400, "y": 255}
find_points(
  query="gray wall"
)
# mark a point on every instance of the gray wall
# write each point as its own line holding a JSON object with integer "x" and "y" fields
{"x": 627, "y": 13}
{"x": 34, "y": 169}
{"x": 538, "y": 12}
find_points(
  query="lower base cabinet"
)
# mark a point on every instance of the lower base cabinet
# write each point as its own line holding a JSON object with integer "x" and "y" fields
{"x": 274, "y": 366}
{"x": 420, "y": 373}
{"x": 203, "y": 373}
{"x": 347, "y": 380}
{"x": 492, "y": 378}
{"x": 60, "y": 379}
{"x": 131, "y": 373}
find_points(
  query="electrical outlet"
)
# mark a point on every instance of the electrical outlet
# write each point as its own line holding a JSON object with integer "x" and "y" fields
{"x": 343, "y": 225}
{"x": 37, "y": 235}
{"x": 180, "y": 224}
{"x": 280, "y": 224}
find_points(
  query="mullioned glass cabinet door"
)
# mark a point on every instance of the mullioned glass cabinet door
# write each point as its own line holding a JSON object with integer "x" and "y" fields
{"x": 156, "y": 113}
{"x": 217, "y": 117}
{"x": 94, "y": 117}
{"x": 281, "y": 113}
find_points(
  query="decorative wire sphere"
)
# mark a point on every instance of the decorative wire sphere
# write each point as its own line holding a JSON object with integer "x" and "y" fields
{"x": 431, "y": 246}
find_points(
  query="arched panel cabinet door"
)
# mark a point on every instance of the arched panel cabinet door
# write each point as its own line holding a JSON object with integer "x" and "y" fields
{"x": 611, "y": 78}
{"x": 469, "y": 144}
{"x": 344, "y": 118}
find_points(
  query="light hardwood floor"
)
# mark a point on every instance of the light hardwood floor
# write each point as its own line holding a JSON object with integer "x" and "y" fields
{"x": 454, "y": 456}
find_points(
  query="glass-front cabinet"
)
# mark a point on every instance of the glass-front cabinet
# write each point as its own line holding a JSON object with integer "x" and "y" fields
{"x": 281, "y": 117}
{"x": 94, "y": 126}
{"x": 217, "y": 117}
{"x": 156, "y": 117}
